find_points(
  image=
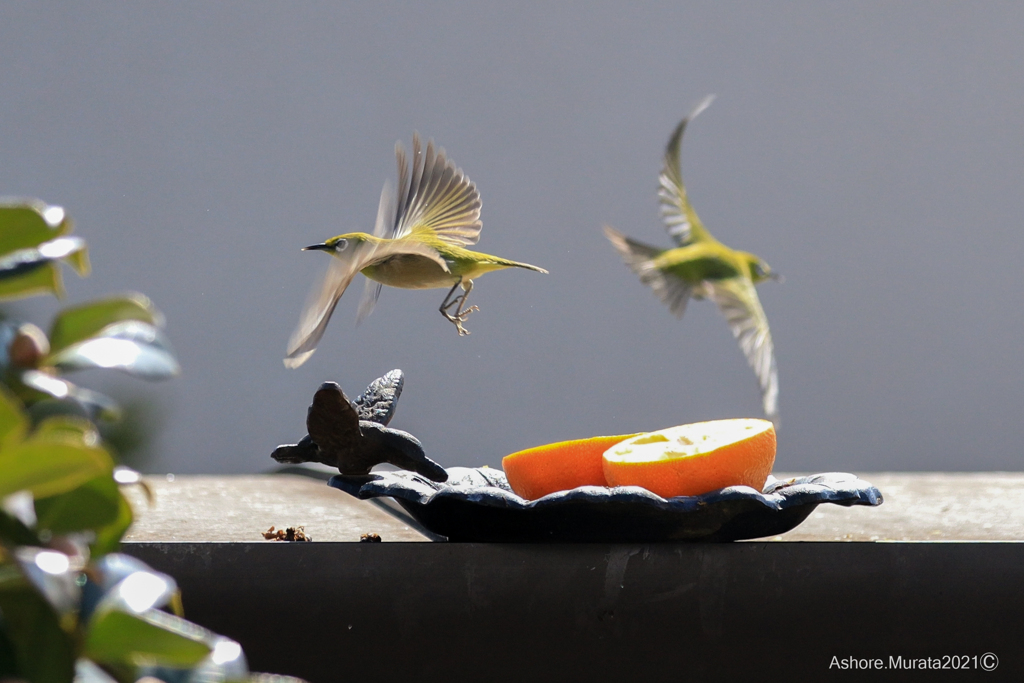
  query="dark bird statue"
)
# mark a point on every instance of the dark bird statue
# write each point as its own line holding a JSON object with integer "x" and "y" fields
{"x": 353, "y": 436}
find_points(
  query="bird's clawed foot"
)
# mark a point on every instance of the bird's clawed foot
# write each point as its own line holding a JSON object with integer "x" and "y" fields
{"x": 461, "y": 313}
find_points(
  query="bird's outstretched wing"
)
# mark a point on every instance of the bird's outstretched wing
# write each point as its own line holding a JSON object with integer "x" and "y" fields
{"x": 371, "y": 292}
{"x": 438, "y": 197}
{"x": 737, "y": 299}
{"x": 675, "y": 293}
{"x": 324, "y": 297}
{"x": 681, "y": 220}
{"x": 383, "y": 226}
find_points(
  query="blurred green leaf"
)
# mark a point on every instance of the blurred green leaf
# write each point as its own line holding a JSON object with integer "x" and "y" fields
{"x": 32, "y": 241}
{"x": 50, "y": 572}
{"x": 44, "y": 652}
{"x": 67, "y": 428}
{"x": 14, "y": 532}
{"x": 226, "y": 663}
{"x": 13, "y": 423}
{"x": 108, "y": 539}
{"x": 153, "y": 637}
{"x": 69, "y": 248}
{"x": 30, "y": 222}
{"x": 79, "y": 262}
{"x": 132, "y": 346}
{"x": 141, "y": 592}
{"x": 43, "y": 280}
{"x": 38, "y": 384}
{"x": 46, "y": 407}
{"x": 93, "y": 505}
{"x": 90, "y": 672}
{"x": 79, "y": 323}
{"x": 47, "y": 468}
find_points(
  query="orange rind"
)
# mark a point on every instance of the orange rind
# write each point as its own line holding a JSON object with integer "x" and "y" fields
{"x": 536, "y": 472}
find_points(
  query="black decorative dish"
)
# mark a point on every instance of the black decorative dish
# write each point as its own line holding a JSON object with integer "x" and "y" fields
{"x": 477, "y": 504}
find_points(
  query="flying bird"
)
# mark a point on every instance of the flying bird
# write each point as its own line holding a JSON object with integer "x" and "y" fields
{"x": 418, "y": 242}
{"x": 701, "y": 267}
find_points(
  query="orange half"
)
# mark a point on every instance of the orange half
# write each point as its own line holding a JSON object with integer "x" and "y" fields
{"x": 692, "y": 459}
{"x": 536, "y": 472}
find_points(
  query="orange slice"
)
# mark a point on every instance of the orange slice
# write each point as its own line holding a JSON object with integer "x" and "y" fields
{"x": 692, "y": 459}
{"x": 538, "y": 471}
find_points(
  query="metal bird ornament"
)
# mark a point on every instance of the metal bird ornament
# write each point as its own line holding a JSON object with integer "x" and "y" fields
{"x": 418, "y": 242}
{"x": 701, "y": 267}
{"x": 353, "y": 436}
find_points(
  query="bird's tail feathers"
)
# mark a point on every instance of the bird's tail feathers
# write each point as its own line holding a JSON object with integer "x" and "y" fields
{"x": 640, "y": 258}
{"x": 527, "y": 266}
{"x": 637, "y": 255}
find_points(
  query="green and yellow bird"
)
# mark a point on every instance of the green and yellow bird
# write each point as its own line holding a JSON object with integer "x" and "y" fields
{"x": 701, "y": 267}
{"x": 418, "y": 242}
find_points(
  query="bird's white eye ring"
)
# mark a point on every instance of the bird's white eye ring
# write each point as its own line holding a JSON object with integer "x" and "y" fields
{"x": 340, "y": 245}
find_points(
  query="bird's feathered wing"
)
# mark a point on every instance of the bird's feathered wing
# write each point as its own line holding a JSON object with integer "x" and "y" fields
{"x": 437, "y": 197}
{"x": 681, "y": 220}
{"x": 324, "y": 297}
{"x": 383, "y": 226}
{"x": 675, "y": 293}
{"x": 737, "y": 300}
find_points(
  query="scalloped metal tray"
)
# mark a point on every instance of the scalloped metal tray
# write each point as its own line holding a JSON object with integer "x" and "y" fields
{"x": 477, "y": 504}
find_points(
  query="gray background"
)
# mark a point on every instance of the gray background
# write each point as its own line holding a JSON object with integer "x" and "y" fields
{"x": 871, "y": 152}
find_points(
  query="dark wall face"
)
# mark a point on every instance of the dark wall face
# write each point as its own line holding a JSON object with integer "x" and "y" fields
{"x": 871, "y": 154}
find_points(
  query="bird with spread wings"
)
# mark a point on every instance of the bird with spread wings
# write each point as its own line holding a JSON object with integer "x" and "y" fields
{"x": 419, "y": 242}
{"x": 701, "y": 267}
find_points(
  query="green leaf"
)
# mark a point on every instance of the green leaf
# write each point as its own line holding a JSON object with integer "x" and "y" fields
{"x": 50, "y": 572}
{"x": 132, "y": 346}
{"x": 93, "y": 505}
{"x": 46, "y": 279}
{"x": 44, "y": 652}
{"x": 152, "y": 637}
{"x": 69, "y": 249}
{"x": 30, "y": 222}
{"x": 67, "y": 428}
{"x": 14, "y": 532}
{"x": 108, "y": 539}
{"x": 89, "y": 672}
{"x": 79, "y": 262}
{"x": 40, "y": 385}
{"x": 13, "y": 423}
{"x": 32, "y": 241}
{"x": 47, "y": 468}
{"x": 79, "y": 323}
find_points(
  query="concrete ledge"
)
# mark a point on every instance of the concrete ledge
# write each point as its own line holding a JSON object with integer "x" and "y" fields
{"x": 936, "y": 506}
{"x": 223, "y": 509}
{"x": 926, "y": 506}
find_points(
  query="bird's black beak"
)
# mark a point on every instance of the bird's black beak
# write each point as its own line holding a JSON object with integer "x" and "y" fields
{"x": 317, "y": 247}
